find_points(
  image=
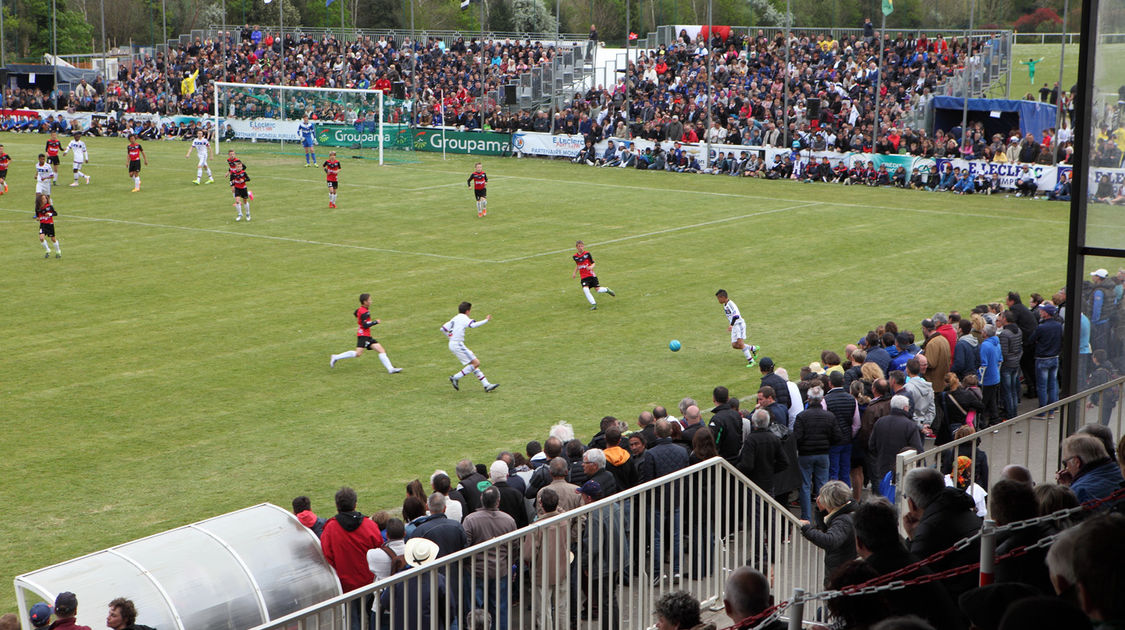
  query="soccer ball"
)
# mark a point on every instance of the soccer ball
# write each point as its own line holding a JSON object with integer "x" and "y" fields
{"x": 674, "y": 345}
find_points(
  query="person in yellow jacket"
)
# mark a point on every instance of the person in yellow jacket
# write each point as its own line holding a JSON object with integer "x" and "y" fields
{"x": 187, "y": 86}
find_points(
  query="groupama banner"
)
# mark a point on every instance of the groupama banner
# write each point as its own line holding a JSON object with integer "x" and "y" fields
{"x": 415, "y": 139}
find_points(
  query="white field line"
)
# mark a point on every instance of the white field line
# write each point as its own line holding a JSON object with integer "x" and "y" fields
{"x": 666, "y": 231}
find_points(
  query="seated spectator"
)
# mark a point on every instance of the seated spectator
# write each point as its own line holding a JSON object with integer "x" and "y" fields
{"x": 985, "y": 606}
{"x": 678, "y": 610}
{"x": 1087, "y": 468}
{"x": 960, "y": 479}
{"x": 747, "y": 595}
{"x": 837, "y": 536}
{"x": 1012, "y": 501}
{"x": 937, "y": 517}
{"x": 1044, "y": 613}
{"x": 39, "y": 616}
{"x": 855, "y": 611}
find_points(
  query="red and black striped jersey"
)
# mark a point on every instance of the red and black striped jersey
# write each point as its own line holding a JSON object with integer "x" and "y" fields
{"x": 478, "y": 179}
{"x": 46, "y": 214}
{"x": 134, "y": 151}
{"x": 332, "y": 169}
{"x": 53, "y": 148}
{"x": 585, "y": 263}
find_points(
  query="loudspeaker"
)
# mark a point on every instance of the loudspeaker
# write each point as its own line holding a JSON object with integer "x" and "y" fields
{"x": 398, "y": 89}
{"x": 814, "y": 109}
{"x": 510, "y": 94}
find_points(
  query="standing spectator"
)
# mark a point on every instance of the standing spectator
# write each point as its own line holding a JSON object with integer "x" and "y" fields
{"x": 1011, "y": 352}
{"x": 605, "y": 541}
{"x": 593, "y": 464}
{"x": 619, "y": 461}
{"x": 472, "y": 483}
{"x": 837, "y": 537}
{"x": 454, "y": 502}
{"x": 726, "y": 425}
{"x": 763, "y": 455}
{"x": 546, "y": 557}
{"x": 381, "y": 561}
{"x": 991, "y": 356}
{"x": 416, "y": 599}
{"x": 302, "y": 508}
{"x": 512, "y": 502}
{"x": 815, "y": 431}
{"x": 775, "y": 381}
{"x": 891, "y": 434}
{"x": 664, "y": 458}
{"x": 1046, "y": 343}
{"x": 693, "y": 419}
{"x": 1027, "y": 323}
{"x": 66, "y": 610}
{"x": 347, "y": 538}
{"x": 846, "y": 411}
{"x": 491, "y": 567}
{"x": 879, "y": 406}
{"x": 439, "y": 527}
{"x": 567, "y": 493}
{"x": 966, "y": 355}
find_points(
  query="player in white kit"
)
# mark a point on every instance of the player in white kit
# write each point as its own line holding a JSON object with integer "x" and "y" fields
{"x": 737, "y": 328}
{"x": 202, "y": 147}
{"x": 455, "y": 330}
{"x": 81, "y": 156}
{"x": 44, "y": 175}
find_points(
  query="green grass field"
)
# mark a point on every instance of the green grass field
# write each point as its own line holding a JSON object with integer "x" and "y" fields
{"x": 1046, "y": 71}
{"x": 173, "y": 365}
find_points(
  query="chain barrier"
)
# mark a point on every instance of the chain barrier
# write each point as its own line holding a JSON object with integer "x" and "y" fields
{"x": 891, "y": 582}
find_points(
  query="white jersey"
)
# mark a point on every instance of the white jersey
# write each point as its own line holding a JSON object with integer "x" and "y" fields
{"x": 44, "y": 175}
{"x": 202, "y": 146}
{"x": 455, "y": 328}
{"x": 78, "y": 148}
{"x": 730, "y": 309}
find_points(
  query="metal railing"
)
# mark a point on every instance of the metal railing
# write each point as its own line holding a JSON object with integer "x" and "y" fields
{"x": 607, "y": 560}
{"x": 1033, "y": 440}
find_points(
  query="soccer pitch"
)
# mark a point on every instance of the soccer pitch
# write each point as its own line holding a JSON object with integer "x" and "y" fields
{"x": 173, "y": 364}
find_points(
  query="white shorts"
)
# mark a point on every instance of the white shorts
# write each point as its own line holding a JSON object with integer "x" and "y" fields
{"x": 43, "y": 188}
{"x": 737, "y": 330}
{"x": 463, "y": 354}
{"x": 202, "y": 161}
{"x": 78, "y": 166}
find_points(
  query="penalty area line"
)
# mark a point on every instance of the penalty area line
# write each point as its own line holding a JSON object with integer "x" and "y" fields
{"x": 285, "y": 239}
{"x": 668, "y": 230}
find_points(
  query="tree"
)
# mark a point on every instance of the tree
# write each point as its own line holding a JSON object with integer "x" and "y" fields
{"x": 531, "y": 16}
{"x": 31, "y": 21}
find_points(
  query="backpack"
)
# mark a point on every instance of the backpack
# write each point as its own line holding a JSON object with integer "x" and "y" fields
{"x": 398, "y": 561}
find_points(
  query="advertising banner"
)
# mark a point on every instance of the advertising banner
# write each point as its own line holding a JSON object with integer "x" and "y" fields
{"x": 1045, "y": 176}
{"x": 417, "y": 139}
{"x": 1116, "y": 178}
{"x": 363, "y": 136}
{"x": 262, "y": 128}
{"x": 544, "y": 144}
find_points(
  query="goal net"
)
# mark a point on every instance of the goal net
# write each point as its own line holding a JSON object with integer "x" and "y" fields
{"x": 362, "y": 123}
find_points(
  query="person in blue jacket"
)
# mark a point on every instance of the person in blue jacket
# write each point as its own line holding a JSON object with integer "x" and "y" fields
{"x": 990, "y": 359}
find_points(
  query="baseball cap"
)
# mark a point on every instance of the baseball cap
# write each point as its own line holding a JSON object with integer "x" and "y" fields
{"x": 40, "y": 615}
{"x": 1101, "y": 273}
{"x": 1049, "y": 309}
{"x": 66, "y": 604}
{"x": 590, "y": 488}
{"x": 766, "y": 363}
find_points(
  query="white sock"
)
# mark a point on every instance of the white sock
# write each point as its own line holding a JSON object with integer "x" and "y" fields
{"x": 589, "y": 296}
{"x": 386, "y": 361}
{"x": 239, "y": 206}
{"x": 332, "y": 197}
{"x": 137, "y": 182}
{"x": 484, "y": 205}
{"x": 481, "y": 378}
{"x": 465, "y": 371}
{"x": 247, "y": 203}
{"x": 350, "y": 354}
{"x": 46, "y": 246}
{"x": 209, "y": 175}
{"x": 76, "y": 174}
{"x": 198, "y": 173}
{"x": 603, "y": 290}
{"x": 746, "y": 352}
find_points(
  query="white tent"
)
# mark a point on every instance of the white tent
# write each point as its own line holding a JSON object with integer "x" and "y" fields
{"x": 230, "y": 572}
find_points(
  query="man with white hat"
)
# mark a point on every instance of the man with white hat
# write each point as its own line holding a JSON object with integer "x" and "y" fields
{"x": 417, "y": 599}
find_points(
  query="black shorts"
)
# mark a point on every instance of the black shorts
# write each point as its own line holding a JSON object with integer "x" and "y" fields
{"x": 591, "y": 281}
{"x": 53, "y": 159}
{"x": 47, "y": 229}
{"x": 3, "y": 173}
{"x": 481, "y": 193}
{"x": 332, "y": 185}
{"x": 365, "y": 342}
{"x": 241, "y": 193}
{"x": 134, "y": 166}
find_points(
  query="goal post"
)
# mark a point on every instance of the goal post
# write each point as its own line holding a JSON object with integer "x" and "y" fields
{"x": 346, "y": 119}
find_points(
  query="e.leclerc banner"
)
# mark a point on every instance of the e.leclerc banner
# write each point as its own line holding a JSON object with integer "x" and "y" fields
{"x": 417, "y": 139}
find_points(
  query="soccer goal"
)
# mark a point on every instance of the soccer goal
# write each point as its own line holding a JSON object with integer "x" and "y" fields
{"x": 363, "y": 123}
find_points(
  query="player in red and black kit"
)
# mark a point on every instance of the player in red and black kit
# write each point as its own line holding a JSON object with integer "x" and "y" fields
{"x": 478, "y": 180}
{"x": 136, "y": 153}
{"x": 238, "y": 181}
{"x": 53, "y": 149}
{"x": 5, "y": 160}
{"x": 584, "y": 267}
{"x": 45, "y": 214}
{"x": 363, "y": 338}
{"x": 332, "y": 170}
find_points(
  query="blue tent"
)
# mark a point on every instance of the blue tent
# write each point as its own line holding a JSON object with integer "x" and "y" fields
{"x": 998, "y": 115}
